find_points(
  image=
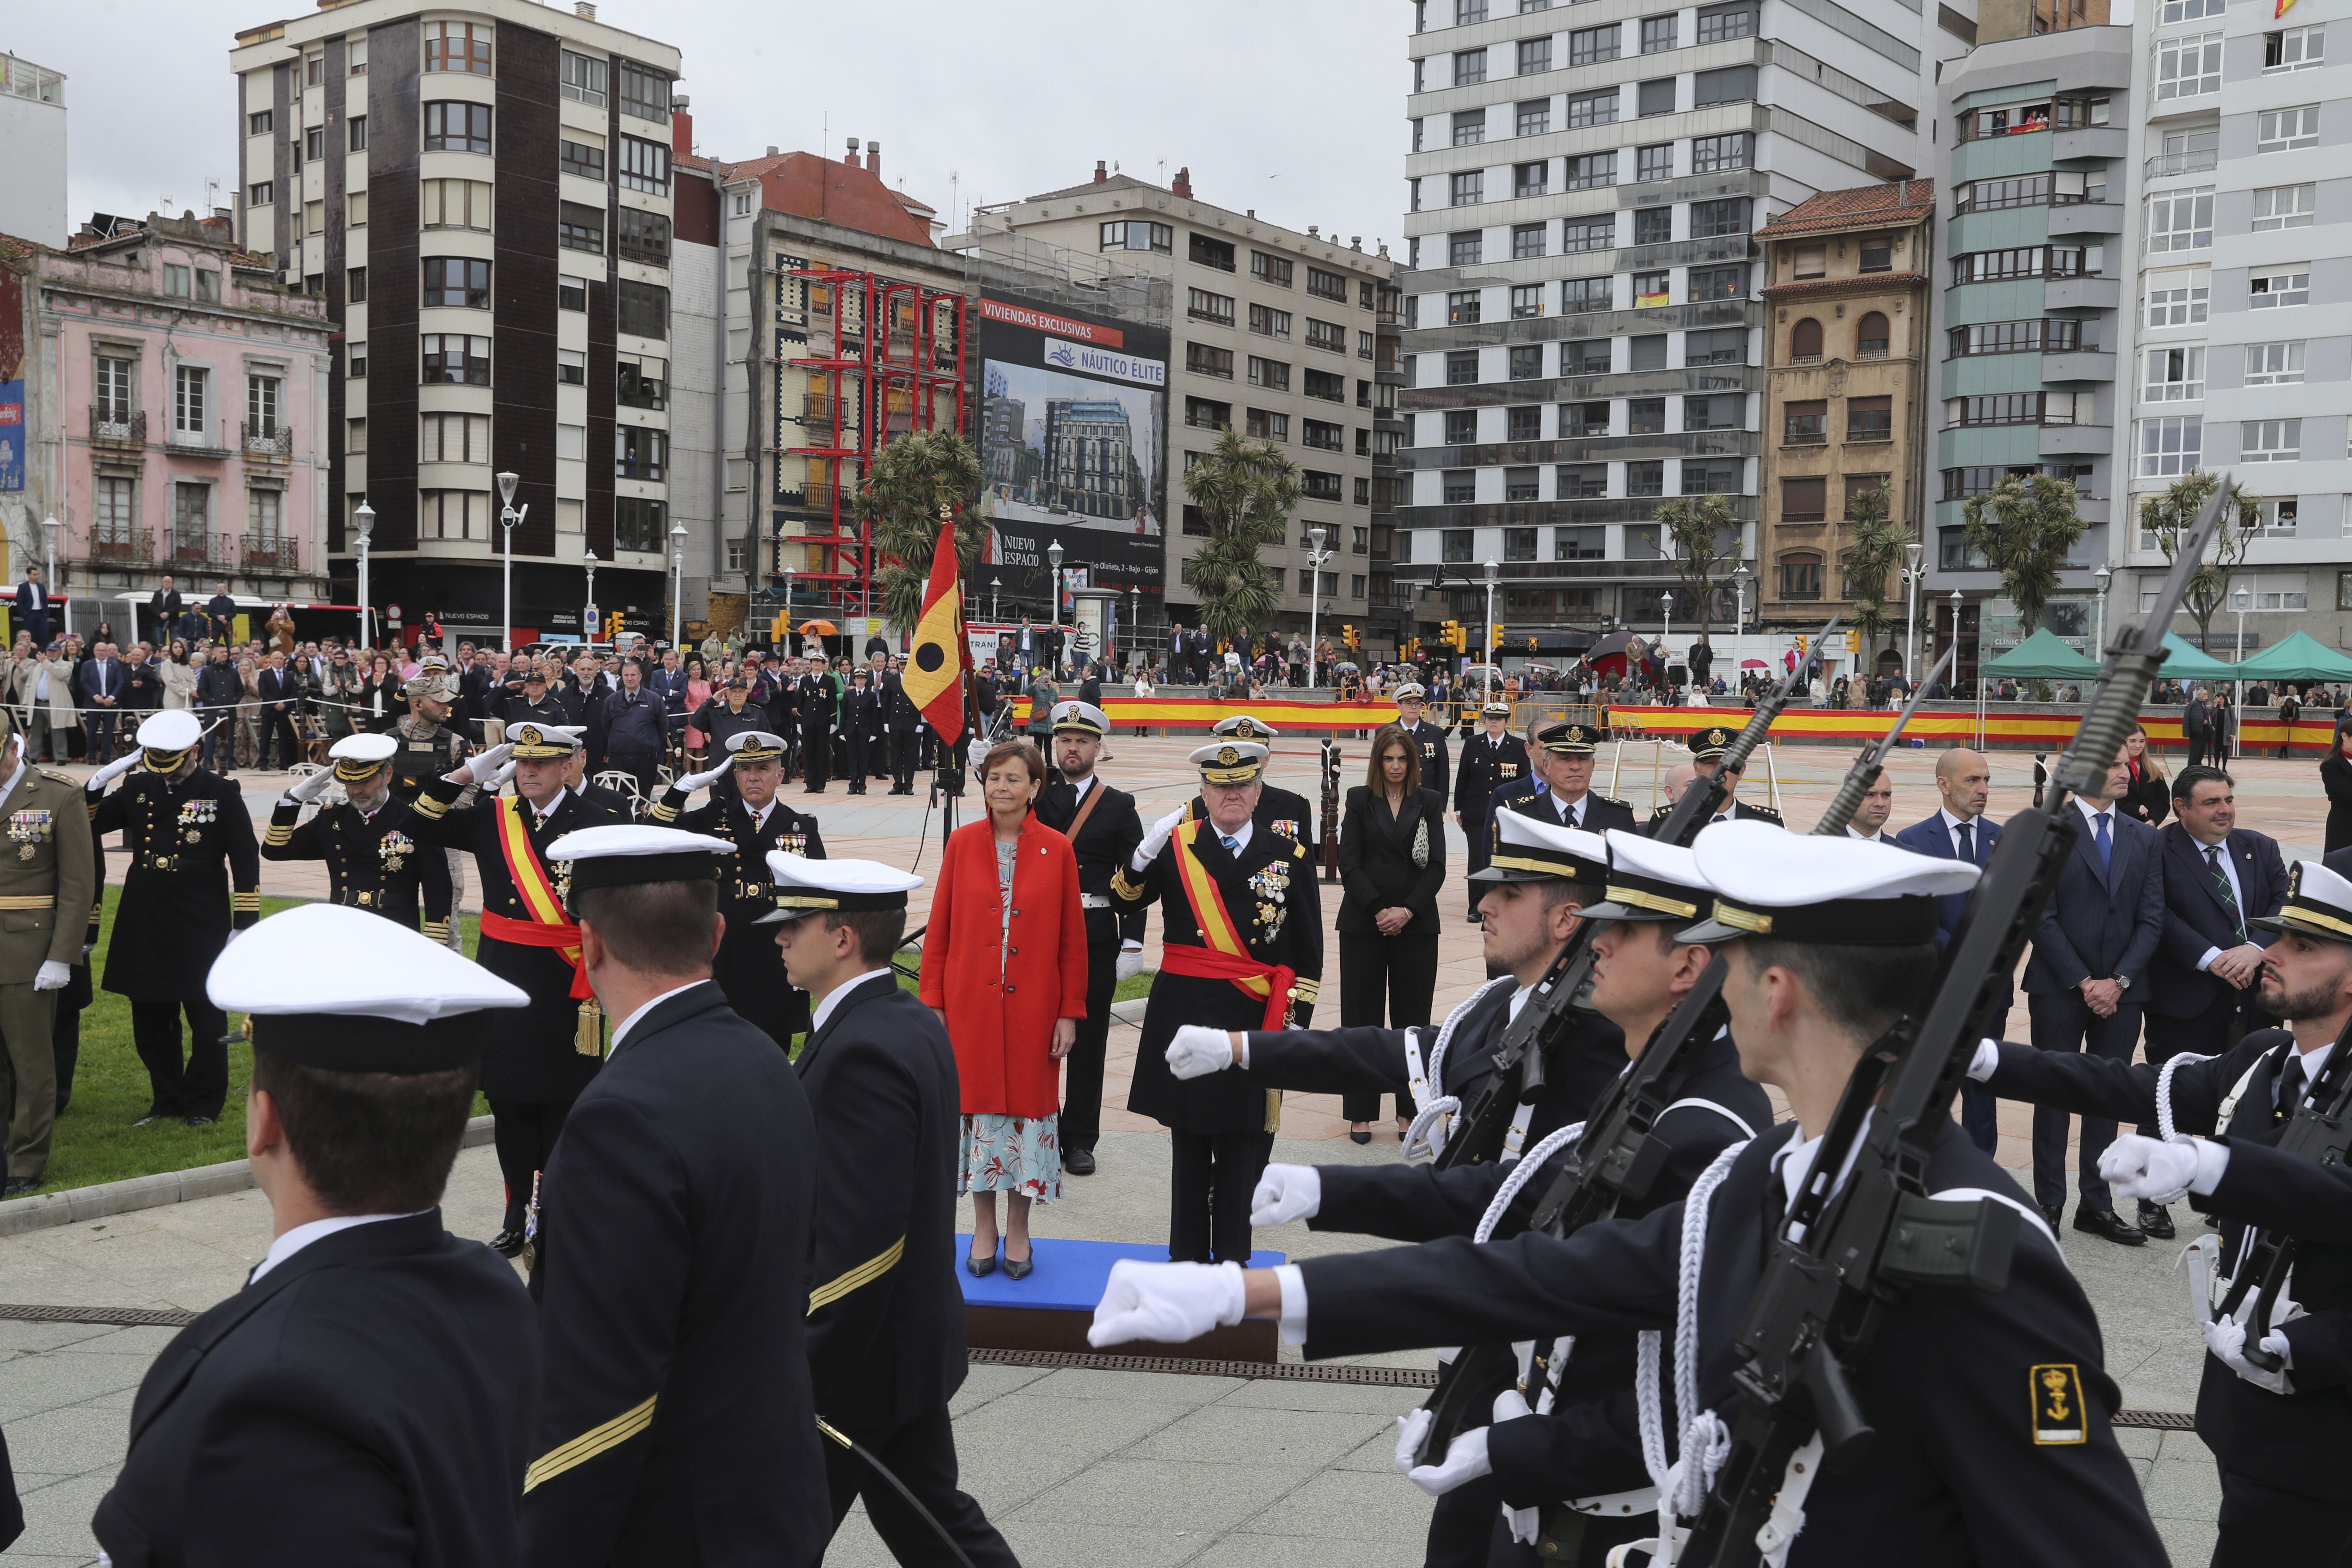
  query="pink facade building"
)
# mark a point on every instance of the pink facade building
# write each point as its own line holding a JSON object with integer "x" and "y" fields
{"x": 174, "y": 405}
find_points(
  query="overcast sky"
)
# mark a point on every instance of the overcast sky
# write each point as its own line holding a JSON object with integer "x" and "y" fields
{"x": 1293, "y": 107}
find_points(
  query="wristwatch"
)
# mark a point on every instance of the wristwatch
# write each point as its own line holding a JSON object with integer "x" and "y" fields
{"x": 2123, "y": 982}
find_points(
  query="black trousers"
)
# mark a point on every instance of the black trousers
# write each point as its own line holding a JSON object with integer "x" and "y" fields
{"x": 101, "y": 734}
{"x": 524, "y": 1132}
{"x": 2065, "y": 1022}
{"x": 1482, "y": 850}
{"x": 1211, "y": 1178}
{"x": 1385, "y": 982}
{"x": 922, "y": 1455}
{"x": 643, "y": 767}
{"x": 902, "y": 758}
{"x": 1081, "y": 1123}
{"x": 277, "y": 730}
{"x": 2209, "y": 1033}
{"x": 2263, "y": 1527}
{"x": 816, "y": 759}
{"x": 197, "y": 1087}
{"x": 856, "y": 745}
{"x": 65, "y": 1032}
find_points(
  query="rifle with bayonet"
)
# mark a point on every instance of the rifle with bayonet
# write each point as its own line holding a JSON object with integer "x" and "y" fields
{"x": 1863, "y": 1243}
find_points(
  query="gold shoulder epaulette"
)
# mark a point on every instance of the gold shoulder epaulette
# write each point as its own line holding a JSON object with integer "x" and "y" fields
{"x": 61, "y": 778}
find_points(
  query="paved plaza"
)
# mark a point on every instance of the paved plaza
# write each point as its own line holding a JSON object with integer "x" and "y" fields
{"x": 1084, "y": 1466}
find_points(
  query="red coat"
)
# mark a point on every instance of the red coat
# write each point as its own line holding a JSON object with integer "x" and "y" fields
{"x": 1003, "y": 1032}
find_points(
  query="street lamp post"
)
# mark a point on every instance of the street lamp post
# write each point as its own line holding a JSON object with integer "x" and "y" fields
{"x": 1911, "y": 613}
{"x": 588, "y": 610}
{"x": 1054, "y": 587}
{"x": 49, "y": 526}
{"x": 2104, "y": 577}
{"x": 508, "y": 518}
{"x": 1316, "y": 556}
{"x": 1739, "y": 600}
{"x": 364, "y": 516}
{"x": 1494, "y": 575}
{"x": 676, "y": 580}
{"x": 1135, "y": 623}
{"x": 1956, "y": 602}
{"x": 995, "y": 590}
{"x": 2240, "y": 600}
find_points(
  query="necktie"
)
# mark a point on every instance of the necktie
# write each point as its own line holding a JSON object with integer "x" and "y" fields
{"x": 2290, "y": 1085}
{"x": 1227, "y": 840}
{"x": 2229, "y": 894}
{"x": 2106, "y": 845}
{"x": 1967, "y": 832}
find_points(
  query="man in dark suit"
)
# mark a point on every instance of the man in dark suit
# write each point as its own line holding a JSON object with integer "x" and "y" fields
{"x": 164, "y": 607}
{"x": 367, "y": 1396}
{"x": 99, "y": 682}
{"x": 671, "y": 1246}
{"x": 1565, "y": 752}
{"x": 2197, "y": 727}
{"x": 885, "y": 1326}
{"x": 32, "y": 606}
{"x": 2085, "y": 985}
{"x": 281, "y": 693}
{"x": 1961, "y": 831}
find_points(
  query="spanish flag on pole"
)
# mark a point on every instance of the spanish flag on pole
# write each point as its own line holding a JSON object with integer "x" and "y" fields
{"x": 939, "y": 656}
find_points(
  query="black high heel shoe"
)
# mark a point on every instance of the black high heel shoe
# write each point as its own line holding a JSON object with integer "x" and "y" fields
{"x": 1021, "y": 1268}
{"x": 1360, "y": 1134}
{"x": 982, "y": 1267}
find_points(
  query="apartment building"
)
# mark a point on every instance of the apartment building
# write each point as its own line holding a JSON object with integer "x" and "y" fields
{"x": 33, "y": 129}
{"x": 2240, "y": 320}
{"x": 483, "y": 198}
{"x": 1582, "y": 326}
{"x": 2036, "y": 246}
{"x": 1845, "y": 354}
{"x": 1275, "y": 334}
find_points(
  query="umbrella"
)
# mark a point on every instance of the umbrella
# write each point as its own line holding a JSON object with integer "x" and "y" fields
{"x": 1753, "y": 664}
{"x": 1349, "y": 668}
{"x": 819, "y": 629}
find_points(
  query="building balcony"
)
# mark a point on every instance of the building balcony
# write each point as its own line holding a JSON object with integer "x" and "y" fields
{"x": 2078, "y": 365}
{"x": 212, "y": 441}
{"x": 273, "y": 554}
{"x": 188, "y": 550}
{"x": 120, "y": 547}
{"x": 2077, "y": 440}
{"x": 2087, "y": 217}
{"x": 2090, "y": 142}
{"x": 2082, "y": 294}
{"x": 819, "y": 410}
{"x": 115, "y": 427}
{"x": 2165, "y": 163}
{"x": 269, "y": 443}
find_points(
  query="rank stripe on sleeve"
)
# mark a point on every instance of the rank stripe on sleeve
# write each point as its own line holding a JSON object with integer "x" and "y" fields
{"x": 857, "y": 1279}
{"x": 589, "y": 1443}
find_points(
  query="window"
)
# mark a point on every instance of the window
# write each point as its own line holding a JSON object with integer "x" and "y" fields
{"x": 1583, "y": 234}
{"x": 1870, "y": 337}
{"x": 453, "y": 204}
{"x": 1645, "y": 416}
{"x": 259, "y": 123}
{"x": 2284, "y": 207}
{"x": 1202, "y": 251}
{"x": 1655, "y": 162}
{"x": 572, "y": 367}
{"x": 1870, "y": 419}
{"x": 578, "y": 227}
{"x": 1534, "y": 117}
{"x": 356, "y": 356}
{"x": 1274, "y": 374}
{"x": 2016, "y": 121}
{"x": 2273, "y": 364}
{"x": 1804, "y": 499}
{"x": 175, "y": 280}
{"x": 261, "y": 193}
{"x": 2016, "y": 191}
{"x": 2185, "y": 68}
{"x": 1463, "y": 248}
{"x": 1800, "y": 576}
{"x": 1328, "y": 336}
{"x": 1466, "y": 189}
{"x": 1529, "y": 179}
{"x": 580, "y": 157}
{"x": 314, "y": 220}
{"x": 1469, "y": 127}
{"x": 1454, "y": 544}
{"x": 1658, "y": 34}
{"x": 1644, "y": 478}
{"x": 2294, "y": 48}
{"x": 355, "y": 437}
{"x": 2174, "y": 298}
{"x": 584, "y": 79}
{"x": 451, "y": 126}
{"x": 2277, "y": 518}
{"x": 1592, "y": 45}
{"x": 314, "y": 143}
{"x": 1805, "y": 343}
{"x": 571, "y": 293}
{"x": 1712, "y": 220}
{"x": 1653, "y": 97}
{"x": 355, "y": 285}
{"x": 452, "y": 439}
{"x": 2270, "y": 441}
{"x": 1468, "y": 11}
{"x": 458, "y": 280}
{"x": 261, "y": 404}
{"x": 1274, "y": 270}
{"x": 1961, "y": 484}
{"x": 1650, "y": 290}
{"x": 1711, "y": 479}
{"x": 2013, "y": 408}
{"x": 1804, "y": 424}
{"x": 190, "y": 388}
{"x": 1460, "y": 426}
{"x": 2174, "y": 376}
{"x": 1526, "y": 363}
{"x": 1519, "y": 543}
{"x": 1461, "y": 310}
{"x": 1580, "y": 296}
{"x": 2278, "y": 290}
{"x": 451, "y": 359}
{"x": 1203, "y": 306}
{"x": 453, "y": 514}
{"x": 1591, "y": 356}
{"x": 1877, "y": 255}
{"x": 1324, "y": 436}
{"x": 1584, "y": 419}
{"x": 457, "y": 46}
{"x": 1461, "y": 367}
{"x": 643, "y": 92}
{"x": 1265, "y": 425}
{"x": 1535, "y": 56}
{"x": 1717, "y": 23}
{"x": 1730, "y": 84}
{"x": 1719, "y": 282}
{"x": 1200, "y": 359}
{"x": 640, "y": 522}
{"x": 110, "y": 390}
{"x": 2189, "y": 10}
{"x": 643, "y": 381}
{"x": 2028, "y": 261}
{"x": 1592, "y": 108}
{"x": 1720, "y": 413}
{"x": 643, "y": 308}
{"x": 638, "y": 452}
{"x": 192, "y": 509}
{"x": 1591, "y": 169}
{"x": 2277, "y": 129}
{"x": 2171, "y": 447}
{"x": 355, "y": 134}
{"x": 1527, "y": 300}
{"x": 1126, "y": 234}
{"x": 1525, "y": 424}
{"x": 1469, "y": 68}
{"x": 1527, "y": 241}
{"x": 1709, "y": 153}
{"x": 643, "y": 166}
{"x": 1574, "y": 481}
{"x": 1723, "y": 345}
{"x": 1264, "y": 319}
{"x": 1203, "y": 415}
{"x": 641, "y": 235}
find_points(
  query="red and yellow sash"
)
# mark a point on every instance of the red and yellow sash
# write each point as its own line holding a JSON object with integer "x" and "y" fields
{"x": 1225, "y": 957}
{"x": 547, "y": 926}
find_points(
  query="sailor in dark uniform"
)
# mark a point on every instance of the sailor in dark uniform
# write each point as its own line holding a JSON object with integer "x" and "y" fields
{"x": 372, "y": 864}
{"x": 1707, "y": 748}
{"x": 671, "y": 1247}
{"x": 885, "y": 1324}
{"x": 533, "y": 705}
{"x": 1992, "y": 1410}
{"x": 904, "y": 723}
{"x": 194, "y": 877}
{"x": 1567, "y": 751}
{"x": 1489, "y": 762}
{"x": 1242, "y": 923}
{"x": 818, "y": 698}
{"x": 1103, "y": 829}
{"x": 366, "y": 1398}
{"x": 543, "y": 1057}
{"x": 751, "y": 818}
{"x": 861, "y": 727}
{"x": 1411, "y": 699}
{"x": 2280, "y": 1435}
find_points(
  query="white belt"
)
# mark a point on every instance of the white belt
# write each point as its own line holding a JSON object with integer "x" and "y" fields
{"x": 1094, "y": 900}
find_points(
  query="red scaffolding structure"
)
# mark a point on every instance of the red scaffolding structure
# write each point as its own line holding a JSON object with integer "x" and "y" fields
{"x": 898, "y": 352}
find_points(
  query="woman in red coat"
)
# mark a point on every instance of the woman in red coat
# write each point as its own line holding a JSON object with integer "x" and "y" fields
{"x": 1004, "y": 967}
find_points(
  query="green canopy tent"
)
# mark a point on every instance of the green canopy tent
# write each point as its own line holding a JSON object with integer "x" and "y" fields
{"x": 2042, "y": 657}
{"x": 2299, "y": 657}
{"x": 2184, "y": 661}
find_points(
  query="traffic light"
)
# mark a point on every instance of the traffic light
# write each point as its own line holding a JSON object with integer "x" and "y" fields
{"x": 1494, "y": 635}
{"x": 1452, "y": 634}
{"x": 1531, "y": 645}
{"x": 612, "y": 626}
{"x": 1347, "y": 635}
{"x": 780, "y": 628}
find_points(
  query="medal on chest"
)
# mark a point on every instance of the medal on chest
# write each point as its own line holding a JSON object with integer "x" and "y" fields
{"x": 394, "y": 849}
{"x": 27, "y": 829}
{"x": 1270, "y": 885}
{"x": 195, "y": 816}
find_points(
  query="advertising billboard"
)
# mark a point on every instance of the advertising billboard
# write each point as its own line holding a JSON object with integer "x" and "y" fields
{"x": 1073, "y": 445}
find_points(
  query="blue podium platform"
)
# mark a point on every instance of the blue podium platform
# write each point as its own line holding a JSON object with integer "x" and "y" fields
{"x": 1052, "y": 1309}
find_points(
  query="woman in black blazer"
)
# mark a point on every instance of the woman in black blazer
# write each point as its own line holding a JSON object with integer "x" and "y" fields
{"x": 1391, "y": 863}
{"x": 2335, "y": 777}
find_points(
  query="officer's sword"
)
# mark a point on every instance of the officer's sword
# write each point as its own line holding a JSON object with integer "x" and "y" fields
{"x": 879, "y": 1469}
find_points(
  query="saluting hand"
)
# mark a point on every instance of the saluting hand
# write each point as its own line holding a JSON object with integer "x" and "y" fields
{"x": 309, "y": 787}
{"x": 482, "y": 766}
{"x": 693, "y": 781}
{"x": 1157, "y": 839}
{"x": 112, "y": 770}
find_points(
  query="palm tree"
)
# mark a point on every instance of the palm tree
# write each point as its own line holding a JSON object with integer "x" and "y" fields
{"x": 2025, "y": 526}
{"x": 909, "y": 484}
{"x": 1874, "y": 543}
{"x": 1700, "y": 532}
{"x": 2169, "y": 516}
{"x": 1245, "y": 490}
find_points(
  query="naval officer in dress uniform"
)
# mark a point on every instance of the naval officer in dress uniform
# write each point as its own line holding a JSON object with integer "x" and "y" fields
{"x": 671, "y": 1246}
{"x": 1707, "y": 748}
{"x": 194, "y": 877}
{"x": 1243, "y": 925}
{"x": 372, "y": 864}
{"x": 366, "y": 1398}
{"x": 1489, "y": 762}
{"x": 1104, "y": 828}
{"x": 885, "y": 1326}
{"x": 541, "y": 1059}
{"x": 1411, "y": 699}
{"x": 751, "y": 817}
{"x": 48, "y": 889}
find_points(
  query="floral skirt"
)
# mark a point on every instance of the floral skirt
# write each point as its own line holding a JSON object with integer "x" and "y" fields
{"x": 1004, "y": 1153}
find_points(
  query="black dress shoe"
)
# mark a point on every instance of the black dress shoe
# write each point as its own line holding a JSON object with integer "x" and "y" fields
{"x": 2107, "y": 1223}
{"x": 1019, "y": 1268}
{"x": 200, "y": 1121}
{"x": 1079, "y": 1161}
{"x": 507, "y": 1243}
{"x": 2154, "y": 1220}
{"x": 17, "y": 1186}
{"x": 980, "y": 1268}
{"x": 1359, "y": 1135}
{"x": 2053, "y": 1212}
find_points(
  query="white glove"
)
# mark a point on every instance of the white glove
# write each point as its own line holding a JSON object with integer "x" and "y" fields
{"x": 1466, "y": 1460}
{"x": 976, "y": 755}
{"x": 483, "y": 766}
{"x": 1169, "y": 1303}
{"x": 1130, "y": 962}
{"x": 1286, "y": 1193}
{"x": 693, "y": 781}
{"x": 112, "y": 772}
{"x": 1157, "y": 839}
{"x": 1198, "y": 1050}
{"x": 2227, "y": 1339}
{"x": 1412, "y": 1432}
{"x": 1982, "y": 1065}
{"x": 311, "y": 786}
{"x": 500, "y": 779}
{"x": 2148, "y": 1169}
{"x": 52, "y": 977}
